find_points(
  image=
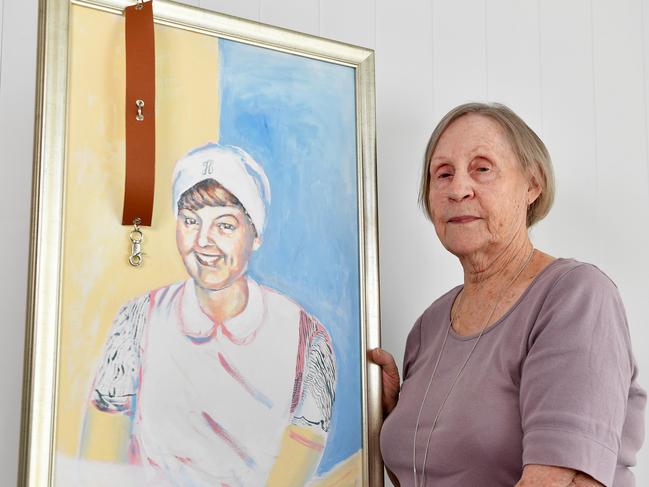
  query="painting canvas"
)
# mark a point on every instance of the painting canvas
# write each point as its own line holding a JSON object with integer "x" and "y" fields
{"x": 235, "y": 354}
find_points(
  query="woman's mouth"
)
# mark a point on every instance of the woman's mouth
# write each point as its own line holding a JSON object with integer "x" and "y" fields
{"x": 463, "y": 219}
{"x": 208, "y": 260}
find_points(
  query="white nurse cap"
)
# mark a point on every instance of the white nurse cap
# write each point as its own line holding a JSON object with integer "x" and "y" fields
{"x": 232, "y": 168}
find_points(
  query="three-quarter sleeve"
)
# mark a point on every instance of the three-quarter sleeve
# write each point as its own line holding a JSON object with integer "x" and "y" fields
{"x": 117, "y": 379}
{"x": 315, "y": 389}
{"x": 576, "y": 377}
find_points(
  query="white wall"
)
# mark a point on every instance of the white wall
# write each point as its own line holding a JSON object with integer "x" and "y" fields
{"x": 577, "y": 71}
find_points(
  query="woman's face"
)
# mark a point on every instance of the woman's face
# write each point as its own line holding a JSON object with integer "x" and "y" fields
{"x": 478, "y": 192}
{"x": 215, "y": 243}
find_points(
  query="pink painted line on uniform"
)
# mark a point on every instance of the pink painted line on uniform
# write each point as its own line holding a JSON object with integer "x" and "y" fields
{"x": 299, "y": 364}
{"x": 236, "y": 375}
{"x": 229, "y": 440}
{"x": 152, "y": 296}
{"x": 238, "y": 341}
{"x": 305, "y": 441}
{"x": 134, "y": 457}
{"x": 185, "y": 460}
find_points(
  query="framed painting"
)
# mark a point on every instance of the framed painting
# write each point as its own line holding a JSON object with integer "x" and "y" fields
{"x": 226, "y": 344}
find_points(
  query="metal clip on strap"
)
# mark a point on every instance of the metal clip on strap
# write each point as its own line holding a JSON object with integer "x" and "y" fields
{"x": 136, "y": 236}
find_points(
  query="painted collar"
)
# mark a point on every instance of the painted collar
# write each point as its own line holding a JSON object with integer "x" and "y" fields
{"x": 198, "y": 327}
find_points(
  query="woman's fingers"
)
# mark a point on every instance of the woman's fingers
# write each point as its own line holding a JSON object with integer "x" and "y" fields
{"x": 390, "y": 378}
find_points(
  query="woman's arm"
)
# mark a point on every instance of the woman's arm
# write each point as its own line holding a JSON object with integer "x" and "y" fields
{"x": 575, "y": 379}
{"x": 298, "y": 457}
{"x": 108, "y": 420}
{"x": 106, "y": 437}
{"x": 305, "y": 437}
{"x": 550, "y": 476}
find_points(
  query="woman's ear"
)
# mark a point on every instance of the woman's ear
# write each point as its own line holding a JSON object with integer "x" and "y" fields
{"x": 256, "y": 243}
{"x": 533, "y": 190}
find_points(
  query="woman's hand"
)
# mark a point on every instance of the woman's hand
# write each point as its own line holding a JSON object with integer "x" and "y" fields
{"x": 389, "y": 378}
{"x": 551, "y": 476}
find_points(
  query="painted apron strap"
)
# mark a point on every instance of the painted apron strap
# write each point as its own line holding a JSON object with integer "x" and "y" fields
{"x": 140, "y": 115}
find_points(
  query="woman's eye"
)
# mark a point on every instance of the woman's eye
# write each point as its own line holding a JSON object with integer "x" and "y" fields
{"x": 444, "y": 175}
{"x": 483, "y": 169}
{"x": 190, "y": 221}
{"x": 227, "y": 227}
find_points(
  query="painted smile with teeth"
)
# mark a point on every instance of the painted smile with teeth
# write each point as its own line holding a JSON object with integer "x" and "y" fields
{"x": 208, "y": 260}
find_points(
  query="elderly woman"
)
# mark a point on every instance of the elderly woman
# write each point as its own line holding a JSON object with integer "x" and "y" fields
{"x": 524, "y": 375}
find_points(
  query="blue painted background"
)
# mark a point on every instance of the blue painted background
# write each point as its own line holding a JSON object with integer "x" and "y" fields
{"x": 296, "y": 116}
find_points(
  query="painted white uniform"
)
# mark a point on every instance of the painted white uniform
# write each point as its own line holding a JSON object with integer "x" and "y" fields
{"x": 211, "y": 401}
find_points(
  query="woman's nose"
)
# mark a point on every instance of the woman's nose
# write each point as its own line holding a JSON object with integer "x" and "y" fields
{"x": 204, "y": 238}
{"x": 461, "y": 187}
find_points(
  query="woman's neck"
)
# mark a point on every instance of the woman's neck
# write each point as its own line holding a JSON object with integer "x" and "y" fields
{"x": 222, "y": 304}
{"x": 496, "y": 268}
{"x": 491, "y": 288}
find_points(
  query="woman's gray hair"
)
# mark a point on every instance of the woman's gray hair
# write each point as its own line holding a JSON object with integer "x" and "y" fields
{"x": 528, "y": 147}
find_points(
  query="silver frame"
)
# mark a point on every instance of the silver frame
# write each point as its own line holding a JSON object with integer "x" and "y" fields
{"x": 43, "y": 312}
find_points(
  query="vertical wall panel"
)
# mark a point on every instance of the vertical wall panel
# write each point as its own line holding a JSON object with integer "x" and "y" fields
{"x": 1, "y": 17}
{"x": 459, "y": 53}
{"x": 346, "y": 21}
{"x": 411, "y": 258}
{"x": 645, "y": 51}
{"x": 513, "y": 68}
{"x": 17, "y": 82}
{"x": 623, "y": 192}
{"x": 621, "y": 147}
{"x": 300, "y": 15}
{"x": 566, "y": 65}
{"x": 248, "y": 9}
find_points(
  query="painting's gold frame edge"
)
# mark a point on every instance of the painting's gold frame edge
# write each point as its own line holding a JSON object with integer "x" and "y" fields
{"x": 187, "y": 17}
{"x": 41, "y": 335}
{"x": 369, "y": 271}
{"x": 41, "y": 338}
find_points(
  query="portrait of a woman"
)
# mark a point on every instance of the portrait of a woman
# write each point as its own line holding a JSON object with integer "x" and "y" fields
{"x": 219, "y": 379}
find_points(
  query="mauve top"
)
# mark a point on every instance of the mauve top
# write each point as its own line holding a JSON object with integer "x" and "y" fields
{"x": 552, "y": 382}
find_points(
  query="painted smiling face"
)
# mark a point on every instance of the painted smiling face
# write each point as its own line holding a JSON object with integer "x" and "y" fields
{"x": 214, "y": 235}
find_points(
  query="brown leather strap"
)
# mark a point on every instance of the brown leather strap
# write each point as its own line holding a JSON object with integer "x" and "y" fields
{"x": 140, "y": 130}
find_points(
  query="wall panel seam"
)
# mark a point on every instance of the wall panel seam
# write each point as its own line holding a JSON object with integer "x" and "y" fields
{"x": 432, "y": 58}
{"x": 2, "y": 21}
{"x": 375, "y": 24}
{"x": 486, "y": 51}
{"x": 645, "y": 79}
{"x": 540, "y": 54}
{"x": 595, "y": 123}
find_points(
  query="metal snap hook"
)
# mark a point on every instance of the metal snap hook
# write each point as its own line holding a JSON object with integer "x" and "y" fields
{"x": 135, "y": 260}
{"x": 136, "y": 236}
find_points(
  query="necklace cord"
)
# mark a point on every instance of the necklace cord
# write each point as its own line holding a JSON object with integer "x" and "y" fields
{"x": 457, "y": 377}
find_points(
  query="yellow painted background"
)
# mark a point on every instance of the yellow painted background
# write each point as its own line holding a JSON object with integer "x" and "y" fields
{"x": 97, "y": 278}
